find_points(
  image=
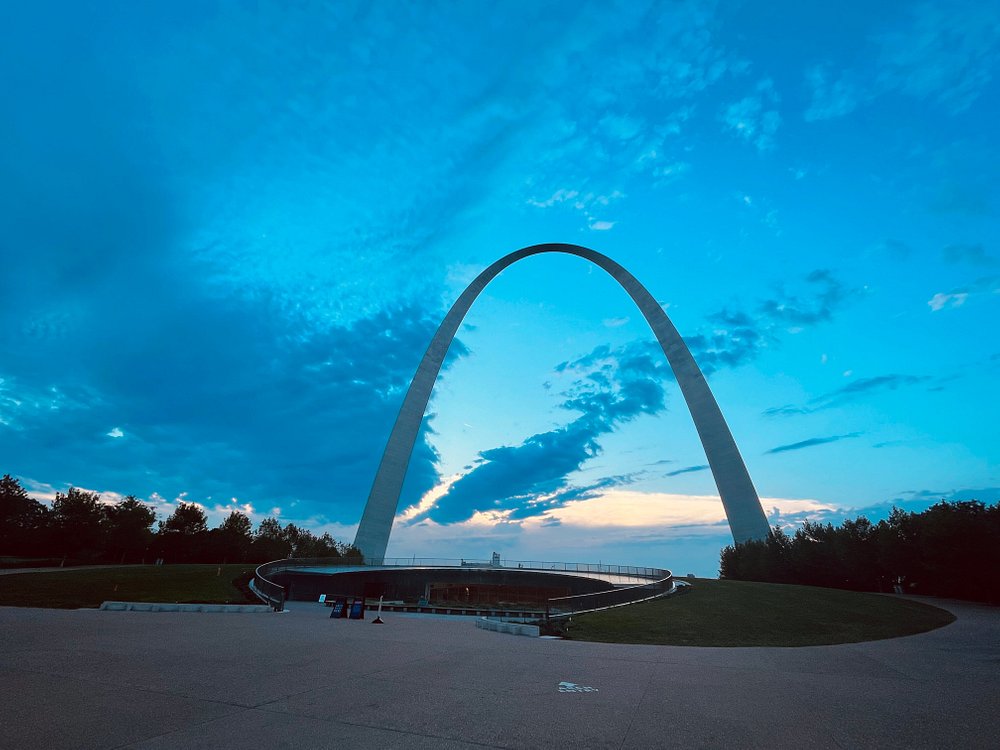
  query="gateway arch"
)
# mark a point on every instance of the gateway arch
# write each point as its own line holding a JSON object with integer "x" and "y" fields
{"x": 739, "y": 498}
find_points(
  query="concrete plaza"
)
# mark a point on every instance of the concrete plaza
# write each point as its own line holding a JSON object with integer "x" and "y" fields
{"x": 89, "y": 679}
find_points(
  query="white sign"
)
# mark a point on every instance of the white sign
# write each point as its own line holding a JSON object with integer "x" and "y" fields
{"x": 322, "y": 598}
{"x": 572, "y": 687}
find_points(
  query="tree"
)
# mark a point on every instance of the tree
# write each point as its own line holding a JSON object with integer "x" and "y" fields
{"x": 270, "y": 542}
{"x": 77, "y": 520}
{"x": 128, "y": 529}
{"x": 187, "y": 518}
{"x": 231, "y": 541}
{"x": 183, "y": 536}
{"x": 22, "y": 519}
{"x": 950, "y": 549}
{"x": 238, "y": 524}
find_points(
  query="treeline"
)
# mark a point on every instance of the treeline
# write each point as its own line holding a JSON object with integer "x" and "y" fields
{"x": 952, "y": 549}
{"x": 80, "y": 528}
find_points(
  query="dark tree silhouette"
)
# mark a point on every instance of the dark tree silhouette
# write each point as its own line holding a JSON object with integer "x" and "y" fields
{"x": 82, "y": 528}
{"x": 77, "y": 525}
{"x": 23, "y": 520}
{"x": 951, "y": 549}
{"x": 128, "y": 530}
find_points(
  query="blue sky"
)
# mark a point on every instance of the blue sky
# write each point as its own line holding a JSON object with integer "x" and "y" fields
{"x": 230, "y": 230}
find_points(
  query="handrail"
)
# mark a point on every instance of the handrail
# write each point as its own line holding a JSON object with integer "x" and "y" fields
{"x": 266, "y": 590}
{"x": 564, "y": 606}
{"x": 657, "y": 579}
{"x": 626, "y": 571}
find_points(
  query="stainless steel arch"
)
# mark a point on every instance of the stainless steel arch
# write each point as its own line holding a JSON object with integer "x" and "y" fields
{"x": 739, "y": 498}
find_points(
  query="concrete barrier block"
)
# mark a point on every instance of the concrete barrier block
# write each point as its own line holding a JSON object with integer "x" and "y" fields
{"x": 511, "y": 628}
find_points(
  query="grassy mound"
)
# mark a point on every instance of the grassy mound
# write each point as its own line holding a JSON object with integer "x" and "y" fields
{"x": 72, "y": 589}
{"x": 741, "y": 613}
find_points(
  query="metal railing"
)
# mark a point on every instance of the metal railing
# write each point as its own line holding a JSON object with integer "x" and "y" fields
{"x": 564, "y": 606}
{"x": 632, "y": 571}
{"x": 625, "y": 571}
{"x": 268, "y": 591}
{"x": 274, "y": 594}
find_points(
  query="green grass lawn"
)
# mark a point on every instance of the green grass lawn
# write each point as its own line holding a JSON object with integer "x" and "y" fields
{"x": 72, "y": 589}
{"x": 741, "y": 613}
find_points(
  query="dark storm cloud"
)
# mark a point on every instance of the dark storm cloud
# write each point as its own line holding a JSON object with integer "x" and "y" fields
{"x": 230, "y": 404}
{"x": 511, "y": 475}
{"x": 811, "y": 442}
{"x": 738, "y": 337}
{"x": 888, "y": 443}
{"x": 827, "y": 296}
{"x": 729, "y": 348}
{"x": 117, "y": 314}
{"x": 974, "y": 255}
{"x": 533, "y": 507}
{"x": 612, "y": 387}
{"x": 600, "y": 353}
{"x": 686, "y": 470}
{"x": 852, "y": 391}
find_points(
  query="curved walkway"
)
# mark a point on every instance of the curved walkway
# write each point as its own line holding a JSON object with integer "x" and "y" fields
{"x": 90, "y": 679}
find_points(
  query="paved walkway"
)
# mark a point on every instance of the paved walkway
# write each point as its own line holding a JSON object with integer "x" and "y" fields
{"x": 90, "y": 679}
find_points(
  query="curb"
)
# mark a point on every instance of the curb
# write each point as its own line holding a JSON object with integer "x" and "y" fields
{"x": 173, "y": 607}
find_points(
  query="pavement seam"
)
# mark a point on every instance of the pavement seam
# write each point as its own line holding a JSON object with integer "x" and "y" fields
{"x": 638, "y": 704}
{"x": 184, "y": 728}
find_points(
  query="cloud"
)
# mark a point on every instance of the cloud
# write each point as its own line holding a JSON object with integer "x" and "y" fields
{"x": 828, "y": 296}
{"x": 610, "y": 388}
{"x": 617, "y": 93}
{"x": 830, "y": 98}
{"x": 888, "y": 443}
{"x": 911, "y": 501}
{"x": 850, "y": 392}
{"x": 726, "y": 347}
{"x": 737, "y": 337}
{"x": 941, "y": 301}
{"x": 510, "y": 475}
{"x": 621, "y": 525}
{"x": 755, "y": 118}
{"x": 948, "y": 52}
{"x": 686, "y": 470}
{"x": 957, "y": 297}
{"x": 961, "y": 196}
{"x": 232, "y": 404}
{"x": 974, "y": 255}
{"x": 559, "y": 196}
{"x": 811, "y": 442}
{"x": 585, "y": 203}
